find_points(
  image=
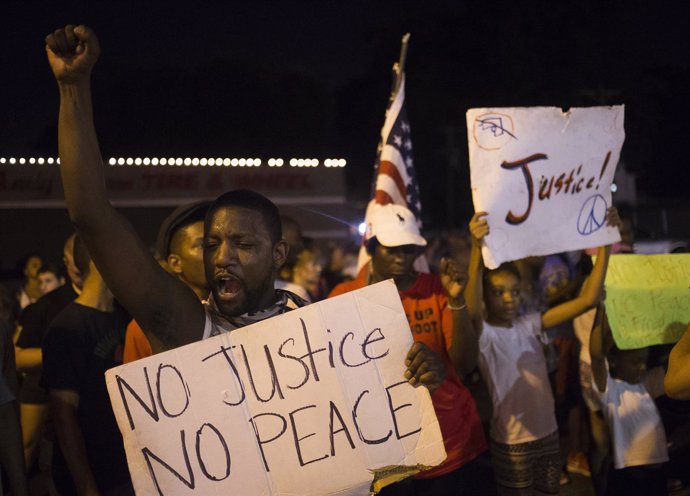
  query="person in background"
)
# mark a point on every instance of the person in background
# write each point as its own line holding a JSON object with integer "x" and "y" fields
{"x": 599, "y": 438}
{"x": 437, "y": 313}
{"x": 30, "y": 290}
{"x": 524, "y": 433}
{"x": 11, "y": 454}
{"x": 84, "y": 340}
{"x": 626, "y": 391}
{"x": 49, "y": 278}
{"x": 179, "y": 248}
{"x": 292, "y": 234}
{"x": 33, "y": 324}
{"x": 306, "y": 273}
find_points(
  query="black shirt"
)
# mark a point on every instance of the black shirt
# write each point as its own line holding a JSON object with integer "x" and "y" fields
{"x": 80, "y": 345}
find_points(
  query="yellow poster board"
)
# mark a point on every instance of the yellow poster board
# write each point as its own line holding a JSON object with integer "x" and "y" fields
{"x": 648, "y": 298}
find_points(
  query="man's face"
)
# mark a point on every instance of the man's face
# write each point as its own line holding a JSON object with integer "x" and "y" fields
{"x": 240, "y": 260}
{"x": 48, "y": 281}
{"x": 394, "y": 262}
{"x": 188, "y": 256}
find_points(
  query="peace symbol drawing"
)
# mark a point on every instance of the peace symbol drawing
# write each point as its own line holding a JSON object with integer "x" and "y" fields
{"x": 592, "y": 215}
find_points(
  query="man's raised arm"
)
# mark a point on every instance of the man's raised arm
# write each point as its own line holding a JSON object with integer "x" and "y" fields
{"x": 166, "y": 309}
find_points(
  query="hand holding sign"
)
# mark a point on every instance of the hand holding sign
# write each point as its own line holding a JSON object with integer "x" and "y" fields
{"x": 424, "y": 367}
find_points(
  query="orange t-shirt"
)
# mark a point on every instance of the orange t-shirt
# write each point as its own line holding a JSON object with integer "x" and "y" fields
{"x": 136, "y": 344}
{"x": 431, "y": 322}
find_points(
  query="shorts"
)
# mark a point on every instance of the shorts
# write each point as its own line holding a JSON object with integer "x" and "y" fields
{"x": 533, "y": 467}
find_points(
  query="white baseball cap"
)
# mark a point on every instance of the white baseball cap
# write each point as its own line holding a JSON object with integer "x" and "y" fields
{"x": 394, "y": 225}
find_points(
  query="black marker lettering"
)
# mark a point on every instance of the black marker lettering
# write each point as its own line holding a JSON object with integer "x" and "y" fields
{"x": 334, "y": 411}
{"x": 297, "y": 439}
{"x": 185, "y": 390}
{"x": 223, "y": 444}
{"x": 148, "y": 455}
{"x": 151, "y": 409}
{"x": 359, "y": 431}
{"x": 266, "y": 441}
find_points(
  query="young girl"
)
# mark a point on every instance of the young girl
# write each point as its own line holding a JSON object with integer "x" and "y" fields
{"x": 524, "y": 433}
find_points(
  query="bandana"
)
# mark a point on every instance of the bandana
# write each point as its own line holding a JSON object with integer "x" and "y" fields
{"x": 285, "y": 301}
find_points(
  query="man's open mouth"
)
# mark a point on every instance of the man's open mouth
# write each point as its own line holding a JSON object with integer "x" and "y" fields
{"x": 227, "y": 287}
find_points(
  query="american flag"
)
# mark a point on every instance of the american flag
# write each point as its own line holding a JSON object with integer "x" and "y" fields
{"x": 394, "y": 176}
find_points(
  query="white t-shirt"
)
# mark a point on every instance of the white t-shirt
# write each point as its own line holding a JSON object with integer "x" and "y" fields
{"x": 633, "y": 419}
{"x": 512, "y": 363}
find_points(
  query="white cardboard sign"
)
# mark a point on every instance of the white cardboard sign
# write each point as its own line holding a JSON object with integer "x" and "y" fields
{"x": 544, "y": 177}
{"x": 312, "y": 402}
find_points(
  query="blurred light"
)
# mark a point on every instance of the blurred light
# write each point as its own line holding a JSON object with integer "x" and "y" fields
{"x": 22, "y": 160}
{"x": 154, "y": 161}
{"x": 211, "y": 162}
{"x": 147, "y": 161}
{"x": 50, "y": 160}
{"x": 226, "y": 162}
{"x": 41, "y": 160}
{"x": 32, "y": 160}
{"x": 614, "y": 188}
{"x": 129, "y": 161}
{"x": 293, "y": 162}
{"x": 2, "y": 160}
{"x": 187, "y": 161}
{"x": 243, "y": 162}
{"x": 112, "y": 161}
{"x": 257, "y": 162}
{"x": 137, "y": 161}
{"x": 195, "y": 161}
{"x": 203, "y": 162}
{"x": 13, "y": 160}
{"x": 362, "y": 228}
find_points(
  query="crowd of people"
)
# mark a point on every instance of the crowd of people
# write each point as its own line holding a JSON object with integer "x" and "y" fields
{"x": 527, "y": 382}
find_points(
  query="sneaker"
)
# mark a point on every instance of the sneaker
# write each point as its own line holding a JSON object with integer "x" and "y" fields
{"x": 578, "y": 464}
{"x": 564, "y": 479}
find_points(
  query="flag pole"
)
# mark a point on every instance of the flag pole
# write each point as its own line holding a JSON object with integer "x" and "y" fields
{"x": 399, "y": 66}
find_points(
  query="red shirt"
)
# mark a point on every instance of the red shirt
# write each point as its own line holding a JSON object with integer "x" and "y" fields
{"x": 431, "y": 323}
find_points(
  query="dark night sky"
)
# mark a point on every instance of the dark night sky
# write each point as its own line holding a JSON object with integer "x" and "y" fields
{"x": 312, "y": 78}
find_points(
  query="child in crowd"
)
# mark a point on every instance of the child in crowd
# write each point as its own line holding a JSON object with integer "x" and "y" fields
{"x": 524, "y": 434}
{"x": 626, "y": 390}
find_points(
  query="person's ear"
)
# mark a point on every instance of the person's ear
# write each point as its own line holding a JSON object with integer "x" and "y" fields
{"x": 174, "y": 263}
{"x": 280, "y": 253}
{"x": 61, "y": 280}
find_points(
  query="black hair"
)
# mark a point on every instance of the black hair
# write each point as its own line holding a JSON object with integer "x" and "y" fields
{"x": 251, "y": 200}
{"x": 49, "y": 267}
{"x": 21, "y": 262}
{"x": 82, "y": 259}
{"x": 176, "y": 232}
{"x": 508, "y": 267}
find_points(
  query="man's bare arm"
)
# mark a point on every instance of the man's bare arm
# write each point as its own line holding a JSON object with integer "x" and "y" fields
{"x": 166, "y": 309}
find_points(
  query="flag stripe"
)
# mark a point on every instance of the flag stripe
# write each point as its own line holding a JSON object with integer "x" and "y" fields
{"x": 382, "y": 198}
{"x": 390, "y": 170}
